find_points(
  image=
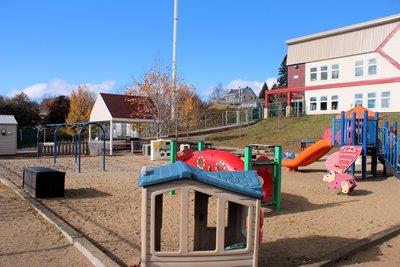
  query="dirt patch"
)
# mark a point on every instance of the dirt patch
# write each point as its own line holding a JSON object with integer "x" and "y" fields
{"x": 313, "y": 222}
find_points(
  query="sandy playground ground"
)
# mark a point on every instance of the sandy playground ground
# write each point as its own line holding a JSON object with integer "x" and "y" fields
{"x": 314, "y": 221}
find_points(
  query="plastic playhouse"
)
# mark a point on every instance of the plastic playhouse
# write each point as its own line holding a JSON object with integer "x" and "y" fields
{"x": 219, "y": 221}
{"x": 266, "y": 160}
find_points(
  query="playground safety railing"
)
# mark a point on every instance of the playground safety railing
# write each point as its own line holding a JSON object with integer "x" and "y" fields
{"x": 389, "y": 145}
{"x": 353, "y": 131}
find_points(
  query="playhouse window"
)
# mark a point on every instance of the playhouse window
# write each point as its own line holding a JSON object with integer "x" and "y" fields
{"x": 324, "y": 103}
{"x": 359, "y": 68}
{"x": 167, "y": 229}
{"x": 335, "y": 71}
{"x": 358, "y": 99}
{"x": 371, "y": 100}
{"x": 313, "y": 74}
{"x": 334, "y": 102}
{"x": 324, "y": 73}
{"x": 372, "y": 66}
{"x": 385, "y": 99}
{"x": 313, "y": 103}
{"x": 237, "y": 228}
{"x": 202, "y": 222}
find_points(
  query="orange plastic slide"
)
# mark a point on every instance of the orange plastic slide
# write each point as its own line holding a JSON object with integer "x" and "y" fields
{"x": 309, "y": 155}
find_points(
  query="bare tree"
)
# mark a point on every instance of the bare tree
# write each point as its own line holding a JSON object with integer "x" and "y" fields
{"x": 157, "y": 99}
{"x": 218, "y": 93}
{"x": 277, "y": 103}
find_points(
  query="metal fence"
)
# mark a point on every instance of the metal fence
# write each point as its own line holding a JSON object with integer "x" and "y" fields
{"x": 281, "y": 112}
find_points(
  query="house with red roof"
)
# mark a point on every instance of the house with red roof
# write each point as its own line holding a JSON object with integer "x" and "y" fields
{"x": 119, "y": 114}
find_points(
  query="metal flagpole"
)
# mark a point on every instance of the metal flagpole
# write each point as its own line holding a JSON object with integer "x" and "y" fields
{"x": 174, "y": 53}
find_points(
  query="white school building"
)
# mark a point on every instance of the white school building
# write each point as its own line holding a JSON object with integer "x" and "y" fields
{"x": 333, "y": 71}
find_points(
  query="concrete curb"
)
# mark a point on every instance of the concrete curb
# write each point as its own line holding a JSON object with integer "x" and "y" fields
{"x": 358, "y": 246}
{"x": 80, "y": 242}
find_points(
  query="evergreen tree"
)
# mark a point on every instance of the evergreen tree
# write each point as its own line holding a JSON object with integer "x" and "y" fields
{"x": 264, "y": 88}
{"x": 283, "y": 74}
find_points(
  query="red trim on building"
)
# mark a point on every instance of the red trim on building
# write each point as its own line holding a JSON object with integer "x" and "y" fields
{"x": 390, "y": 59}
{"x": 333, "y": 85}
{"x": 390, "y": 36}
{"x": 382, "y": 45}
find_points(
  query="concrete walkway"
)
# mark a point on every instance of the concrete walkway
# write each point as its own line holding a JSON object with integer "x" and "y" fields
{"x": 27, "y": 240}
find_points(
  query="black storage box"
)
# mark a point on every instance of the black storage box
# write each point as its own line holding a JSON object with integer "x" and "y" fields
{"x": 43, "y": 182}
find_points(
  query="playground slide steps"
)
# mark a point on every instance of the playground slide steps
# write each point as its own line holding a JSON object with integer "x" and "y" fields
{"x": 389, "y": 167}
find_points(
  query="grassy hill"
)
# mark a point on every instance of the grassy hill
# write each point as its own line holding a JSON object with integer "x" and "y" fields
{"x": 284, "y": 131}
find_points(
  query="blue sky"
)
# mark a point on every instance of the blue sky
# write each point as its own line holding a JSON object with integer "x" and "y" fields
{"x": 48, "y": 47}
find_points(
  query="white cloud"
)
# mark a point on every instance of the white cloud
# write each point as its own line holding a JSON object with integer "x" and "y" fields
{"x": 58, "y": 86}
{"x": 271, "y": 82}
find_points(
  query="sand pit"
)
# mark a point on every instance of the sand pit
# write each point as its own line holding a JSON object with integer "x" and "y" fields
{"x": 313, "y": 222}
{"x": 28, "y": 240}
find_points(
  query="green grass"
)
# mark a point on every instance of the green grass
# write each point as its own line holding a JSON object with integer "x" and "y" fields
{"x": 288, "y": 134}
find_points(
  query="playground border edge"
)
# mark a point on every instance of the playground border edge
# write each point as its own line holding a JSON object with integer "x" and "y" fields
{"x": 80, "y": 242}
{"x": 359, "y": 246}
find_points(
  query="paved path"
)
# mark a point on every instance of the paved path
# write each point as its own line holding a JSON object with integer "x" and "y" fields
{"x": 27, "y": 240}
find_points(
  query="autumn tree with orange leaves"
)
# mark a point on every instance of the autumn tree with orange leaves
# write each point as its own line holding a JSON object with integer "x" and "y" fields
{"x": 81, "y": 104}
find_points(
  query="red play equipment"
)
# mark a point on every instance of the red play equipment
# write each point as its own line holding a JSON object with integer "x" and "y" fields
{"x": 219, "y": 161}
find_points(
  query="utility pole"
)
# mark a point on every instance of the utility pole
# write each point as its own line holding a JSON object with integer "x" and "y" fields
{"x": 174, "y": 43}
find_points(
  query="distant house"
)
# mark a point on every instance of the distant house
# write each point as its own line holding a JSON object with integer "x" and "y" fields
{"x": 242, "y": 96}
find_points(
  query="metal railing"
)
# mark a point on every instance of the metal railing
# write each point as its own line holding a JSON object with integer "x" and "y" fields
{"x": 389, "y": 148}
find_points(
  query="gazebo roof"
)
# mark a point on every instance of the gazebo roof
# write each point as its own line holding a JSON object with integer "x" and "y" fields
{"x": 359, "y": 111}
{"x": 120, "y": 108}
{"x": 242, "y": 182}
{"x": 126, "y": 106}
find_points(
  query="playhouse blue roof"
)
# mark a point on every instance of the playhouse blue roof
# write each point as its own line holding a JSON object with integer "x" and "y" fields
{"x": 242, "y": 182}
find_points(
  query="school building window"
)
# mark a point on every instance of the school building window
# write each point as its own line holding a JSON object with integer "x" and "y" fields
{"x": 313, "y": 74}
{"x": 323, "y": 103}
{"x": 359, "y": 68}
{"x": 358, "y": 99}
{"x": 371, "y": 100}
{"x": 313, "y": 103}
{"x": 335, "y": 71}
{"x": 334, "y": 102}
{"x": 385, "y": 100}
{"x": 324, "y": 73}
{"x": 372, "y": 66}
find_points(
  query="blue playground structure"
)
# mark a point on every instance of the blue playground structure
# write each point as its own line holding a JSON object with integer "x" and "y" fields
{"x": 362, "y": 129}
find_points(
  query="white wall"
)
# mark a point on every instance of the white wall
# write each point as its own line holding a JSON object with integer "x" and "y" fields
{"x": 347, "y": 97}
{"x": 347, "y": 69}
{"x": 8, "y": 142}
{"x": 100, "y": 111}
